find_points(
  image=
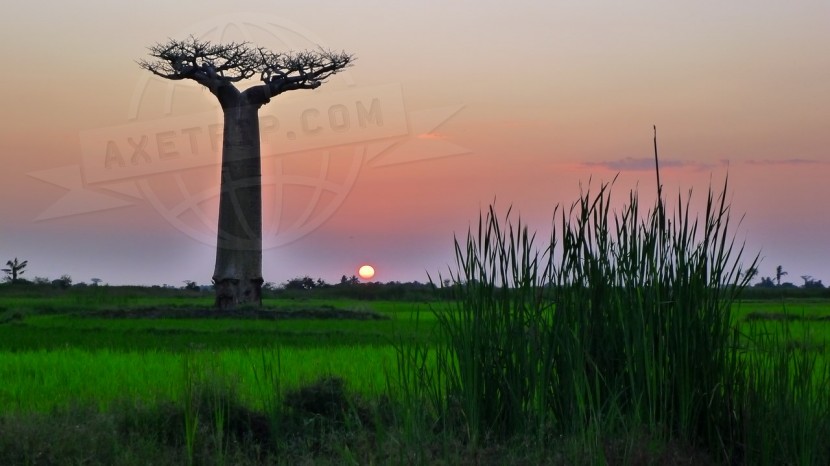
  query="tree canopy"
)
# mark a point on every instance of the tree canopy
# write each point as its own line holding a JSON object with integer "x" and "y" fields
{"x": 218, "y": 66}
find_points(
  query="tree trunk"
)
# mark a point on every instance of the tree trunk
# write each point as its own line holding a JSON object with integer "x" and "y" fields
{"x": 238, "y": 273}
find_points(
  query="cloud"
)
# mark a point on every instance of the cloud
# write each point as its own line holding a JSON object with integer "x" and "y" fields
{"x": 634, "y": 164}
{"x": 788, "y": 162}
{"x": 646, "y": 164}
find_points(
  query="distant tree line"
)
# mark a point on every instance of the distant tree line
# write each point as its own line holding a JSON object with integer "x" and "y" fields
{"x": 304, "y": 287}
{"x": 773, "y": 287}
{"x": 770, "y": 282}
{"x": 350, "y": 287}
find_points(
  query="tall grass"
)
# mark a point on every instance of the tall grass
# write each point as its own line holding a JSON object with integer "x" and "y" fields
{"x": 620, "y": 316}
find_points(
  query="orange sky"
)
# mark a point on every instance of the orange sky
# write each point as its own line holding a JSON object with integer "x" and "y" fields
{"x": 477, "y": 100}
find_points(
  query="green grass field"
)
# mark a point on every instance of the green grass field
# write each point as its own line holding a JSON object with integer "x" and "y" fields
{"x": 88, "y": 350}
{"x": 804, "y": 322}
{"x": 53, "y": 353}
{"x": 45, "y": 380}
{"x": 56, "y": 351}
{"x": 60, "y": 354}
{"x": 57, "y": 322}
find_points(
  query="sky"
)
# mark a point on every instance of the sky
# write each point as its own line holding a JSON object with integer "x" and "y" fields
{"x": 450, "y": 106}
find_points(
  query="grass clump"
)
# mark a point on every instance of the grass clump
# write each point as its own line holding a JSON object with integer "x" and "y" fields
{"x": 620, "y": 321}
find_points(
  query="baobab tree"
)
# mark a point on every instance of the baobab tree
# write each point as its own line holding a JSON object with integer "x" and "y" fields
{"x": 237, "y": 276}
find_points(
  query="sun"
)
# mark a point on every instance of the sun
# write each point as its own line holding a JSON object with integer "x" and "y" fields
{"x": 366, "y": 272}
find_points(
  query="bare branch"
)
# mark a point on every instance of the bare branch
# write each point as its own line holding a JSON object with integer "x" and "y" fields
{"x": 216, "y": 66}
{"x": 202, "y": 61}
{"x": 301, "y": 70}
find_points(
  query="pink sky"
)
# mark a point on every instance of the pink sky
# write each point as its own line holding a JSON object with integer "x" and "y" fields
{"x": 478, "y": 101}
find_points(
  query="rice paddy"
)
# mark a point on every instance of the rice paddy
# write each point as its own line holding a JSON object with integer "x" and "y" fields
{"x": 52, "y": 360}
{"x": 57, "y": 354}
{"x": 46, "y": 380}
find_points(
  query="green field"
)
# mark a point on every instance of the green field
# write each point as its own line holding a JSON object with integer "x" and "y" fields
{"x": 79, "y": 329}
{"x": 54, "y": 379}
{"x": 116, "y": 350}
{"x": 103, "y": 349}
{"x": 56, "y": 353}
{"x": 797, "y": 321}
{"x": 51, "y": 357}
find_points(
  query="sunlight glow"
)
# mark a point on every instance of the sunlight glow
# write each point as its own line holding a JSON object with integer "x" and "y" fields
{"x": 366, "y": 272}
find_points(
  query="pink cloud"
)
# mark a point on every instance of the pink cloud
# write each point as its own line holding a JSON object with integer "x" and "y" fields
{"x": 792, "y": 161}
{"x": 646, "y": 164}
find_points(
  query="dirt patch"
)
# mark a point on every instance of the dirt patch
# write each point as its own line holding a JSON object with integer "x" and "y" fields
{"x": 210, "y": 313}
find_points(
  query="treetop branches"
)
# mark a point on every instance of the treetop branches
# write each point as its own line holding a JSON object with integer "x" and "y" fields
{"x": 219, "y": 65}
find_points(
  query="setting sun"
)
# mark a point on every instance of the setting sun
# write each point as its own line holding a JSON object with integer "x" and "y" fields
{"x": 366, "y": 272}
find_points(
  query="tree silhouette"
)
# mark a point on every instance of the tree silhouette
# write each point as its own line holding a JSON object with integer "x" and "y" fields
{"x": 15, "y": 269}
{"x": 64, "y": 282}
{"x": 349, "y": 281}
{"x": 809, "y": 282}
{"x": 237, "y": 275}
{"x": 766, "y": 282}
{"x": 779, "y": 272}
{"x": 301, "y": 283}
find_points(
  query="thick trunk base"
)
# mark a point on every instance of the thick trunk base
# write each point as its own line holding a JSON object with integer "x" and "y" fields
{"x": 232, "y": 292}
